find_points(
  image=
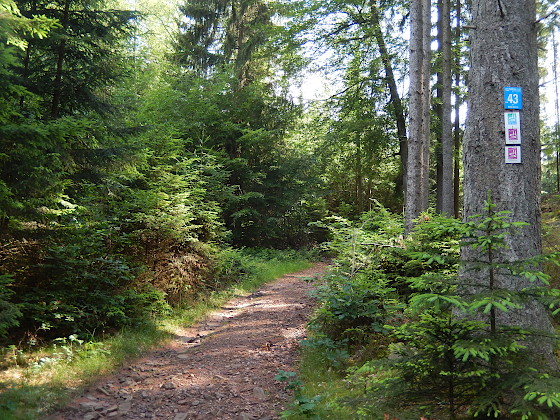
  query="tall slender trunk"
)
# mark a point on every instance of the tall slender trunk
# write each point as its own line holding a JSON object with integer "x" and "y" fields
{"x": 438, "y": 110}
{"x": 417, "y": 182}
{"x": 457, "y": 126}
{"x": 426, "y": 100}
{"x": 557, "y": 108}
{"x": 396, "y": 102}
{"x": 446, "y": 186}
{"x": 359, "y": 175}
{"x": 61, "y": 51}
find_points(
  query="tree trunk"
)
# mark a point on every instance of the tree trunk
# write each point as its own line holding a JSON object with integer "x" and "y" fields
{"x": 438, "y": 110}
{"x": 457, "y": 127}
{"x": 446, "y": 203}
{"x": 359, "y": 205}
{"x": 396, "y": 101}
{"x": 504, "y": 54}
{"x": 417, "y": 182}
{"x": 61, "y": 51}
{"x": 556, "y": 108}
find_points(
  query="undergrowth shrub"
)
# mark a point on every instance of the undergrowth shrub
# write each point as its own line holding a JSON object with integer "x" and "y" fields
{"x": 354, "y": 308}
{"x": 9, "y": 312}
{"x": 79, "y": 288}
{"x": 356, "y": 300}
{"x": 374, "y": 266}
{"x": 445, "y": 356}
{"x": 231, "y": 265}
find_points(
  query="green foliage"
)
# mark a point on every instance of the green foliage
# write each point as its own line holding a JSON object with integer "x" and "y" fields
{"x": 455, "y": 359}
{"x": 70, "y": 69}
{"x": 13, "y": 25}
{"x": 48, "y": 374}
{"x": 302, "y": 406}
{"x": 351, "y": 307}
{"x": 356, "y": 300}
{"x": 439, "y": 352}
{"x": 77, "y": 288}
{"x": 9, "y": 311}
{"x": 357, "y": 143}
{"x": 37, "y": 162}
{"x": 356, "y": 244}
{"x": 265, "y": 188}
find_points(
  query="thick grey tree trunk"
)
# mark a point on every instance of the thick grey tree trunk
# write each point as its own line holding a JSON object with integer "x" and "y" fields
{"x": 504, "y": 54}
{"x": 418, "y": 165}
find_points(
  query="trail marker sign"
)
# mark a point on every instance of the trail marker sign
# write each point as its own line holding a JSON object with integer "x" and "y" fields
{"x": 513, "y": 98}
{"x": 512, "y": 130}
{"x": 513, "y": 154}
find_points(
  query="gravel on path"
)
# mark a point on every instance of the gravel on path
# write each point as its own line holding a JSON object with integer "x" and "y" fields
{"x": 222, "y": 368}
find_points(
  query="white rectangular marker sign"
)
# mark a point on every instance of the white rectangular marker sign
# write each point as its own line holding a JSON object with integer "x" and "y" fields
{"x": 513, "y": 154}
{"x": 512, "y": 127}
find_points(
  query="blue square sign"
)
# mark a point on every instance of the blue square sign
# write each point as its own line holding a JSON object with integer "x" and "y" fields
{"x": 513, "y": 98}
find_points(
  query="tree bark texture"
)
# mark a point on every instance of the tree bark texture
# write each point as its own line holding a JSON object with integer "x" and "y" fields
{"x": 417, "y": 181}
{"x": 503, "y": 54}
{"x": 457, "y": 125}
{"x": 446, "y": 186}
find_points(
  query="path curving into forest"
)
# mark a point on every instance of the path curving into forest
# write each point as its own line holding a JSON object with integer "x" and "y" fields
{"x": 223, "y": 368}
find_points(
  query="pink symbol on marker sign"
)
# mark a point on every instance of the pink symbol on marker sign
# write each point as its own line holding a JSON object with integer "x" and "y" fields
{"x": 513, "y": 154}
{"x": 513, "y": 134}
{"x": 512, "y": 127}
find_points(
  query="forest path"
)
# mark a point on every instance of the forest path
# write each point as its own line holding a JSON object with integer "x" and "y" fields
{"x": 223, "y": 368}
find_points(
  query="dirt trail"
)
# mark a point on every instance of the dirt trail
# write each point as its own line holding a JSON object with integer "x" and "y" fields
{"x": 223, "y": 368}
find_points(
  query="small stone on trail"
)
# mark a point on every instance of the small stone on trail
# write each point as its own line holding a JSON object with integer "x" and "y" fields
{"x": 259, "y": 393}
{"x": 169, "y": 385}
{"x": 125, "y": 407}
{"x": 180, "y": 416}
{"x": 112, "y": 408}
{"x": 92, "y": 405}
{"x": 104, "y": 391}
{"x": 186, "y": 356}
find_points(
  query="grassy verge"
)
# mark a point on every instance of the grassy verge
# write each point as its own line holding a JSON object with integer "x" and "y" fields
{"x": 322, "y": 389}
{"x": 35, "y": 383}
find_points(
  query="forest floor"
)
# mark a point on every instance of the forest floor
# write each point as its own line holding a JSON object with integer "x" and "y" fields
{"x": 223, "y": 368}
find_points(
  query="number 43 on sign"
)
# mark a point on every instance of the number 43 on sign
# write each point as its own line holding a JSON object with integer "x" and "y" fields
{"x": 513, "y": 98}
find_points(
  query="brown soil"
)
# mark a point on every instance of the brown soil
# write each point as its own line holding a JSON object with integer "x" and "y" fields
{"x": 223, "y": 368}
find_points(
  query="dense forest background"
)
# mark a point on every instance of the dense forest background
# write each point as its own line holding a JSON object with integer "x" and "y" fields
{"x": 140, "y": 141}
{"x": 143, "y": 142}
{"x": 148, "y": 148}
